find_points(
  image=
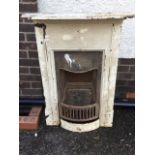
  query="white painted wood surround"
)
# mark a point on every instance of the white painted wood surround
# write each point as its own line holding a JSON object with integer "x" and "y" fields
{"x": 96, "y": 32}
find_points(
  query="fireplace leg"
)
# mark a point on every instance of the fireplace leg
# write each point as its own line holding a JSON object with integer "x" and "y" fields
{"x": 51, "y": 122}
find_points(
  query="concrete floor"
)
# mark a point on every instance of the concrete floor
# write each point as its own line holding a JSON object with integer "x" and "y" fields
{"x": 118, "y": 140}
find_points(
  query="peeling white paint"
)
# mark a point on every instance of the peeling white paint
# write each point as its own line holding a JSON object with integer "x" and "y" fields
{"x": 83, "y": 30}
{"x": 67, "y": 37}
{"x": 49, "y": 83}
{"x": 98, "y": 30}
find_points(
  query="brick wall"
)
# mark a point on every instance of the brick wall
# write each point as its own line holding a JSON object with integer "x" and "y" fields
{"x": 30, "y": 79}
{"x": 125, "y": 77}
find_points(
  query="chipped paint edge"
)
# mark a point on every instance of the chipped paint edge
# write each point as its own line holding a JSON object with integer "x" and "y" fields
{"x": 108, "y": 78}
{"x": 78, "y": 16}
{"x": 51, "y": 109}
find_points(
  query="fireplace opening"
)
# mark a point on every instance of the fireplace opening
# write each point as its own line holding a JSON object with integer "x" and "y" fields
{"x": 79, "y": 102}
{"x": 78, "y": 86}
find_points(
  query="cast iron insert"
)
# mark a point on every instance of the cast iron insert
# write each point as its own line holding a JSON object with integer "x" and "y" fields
{"x": 78, "y": 78}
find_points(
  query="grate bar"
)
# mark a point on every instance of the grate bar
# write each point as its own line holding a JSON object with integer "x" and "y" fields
{"x": 79, "y": 113}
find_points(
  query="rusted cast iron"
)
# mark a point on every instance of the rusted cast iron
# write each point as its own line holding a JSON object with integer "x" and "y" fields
{"x": 79, "y": 113}
{"x": 78, "y": 78}
{"x": 78, "y": 104}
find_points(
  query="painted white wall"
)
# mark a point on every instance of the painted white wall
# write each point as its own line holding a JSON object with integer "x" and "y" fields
{"x": 97, "y": 6}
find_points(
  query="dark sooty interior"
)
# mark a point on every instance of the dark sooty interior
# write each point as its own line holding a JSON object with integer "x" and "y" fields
{"x": 79, "y": 88}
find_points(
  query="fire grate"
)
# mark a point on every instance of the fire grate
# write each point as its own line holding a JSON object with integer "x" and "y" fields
{"x": 79, "y": 113}
{"x": 79, "y": 103}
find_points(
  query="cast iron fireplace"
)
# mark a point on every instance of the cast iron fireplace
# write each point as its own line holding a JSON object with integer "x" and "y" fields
{"x": 78, "y": 57}
{"x": 78, "y": 80}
